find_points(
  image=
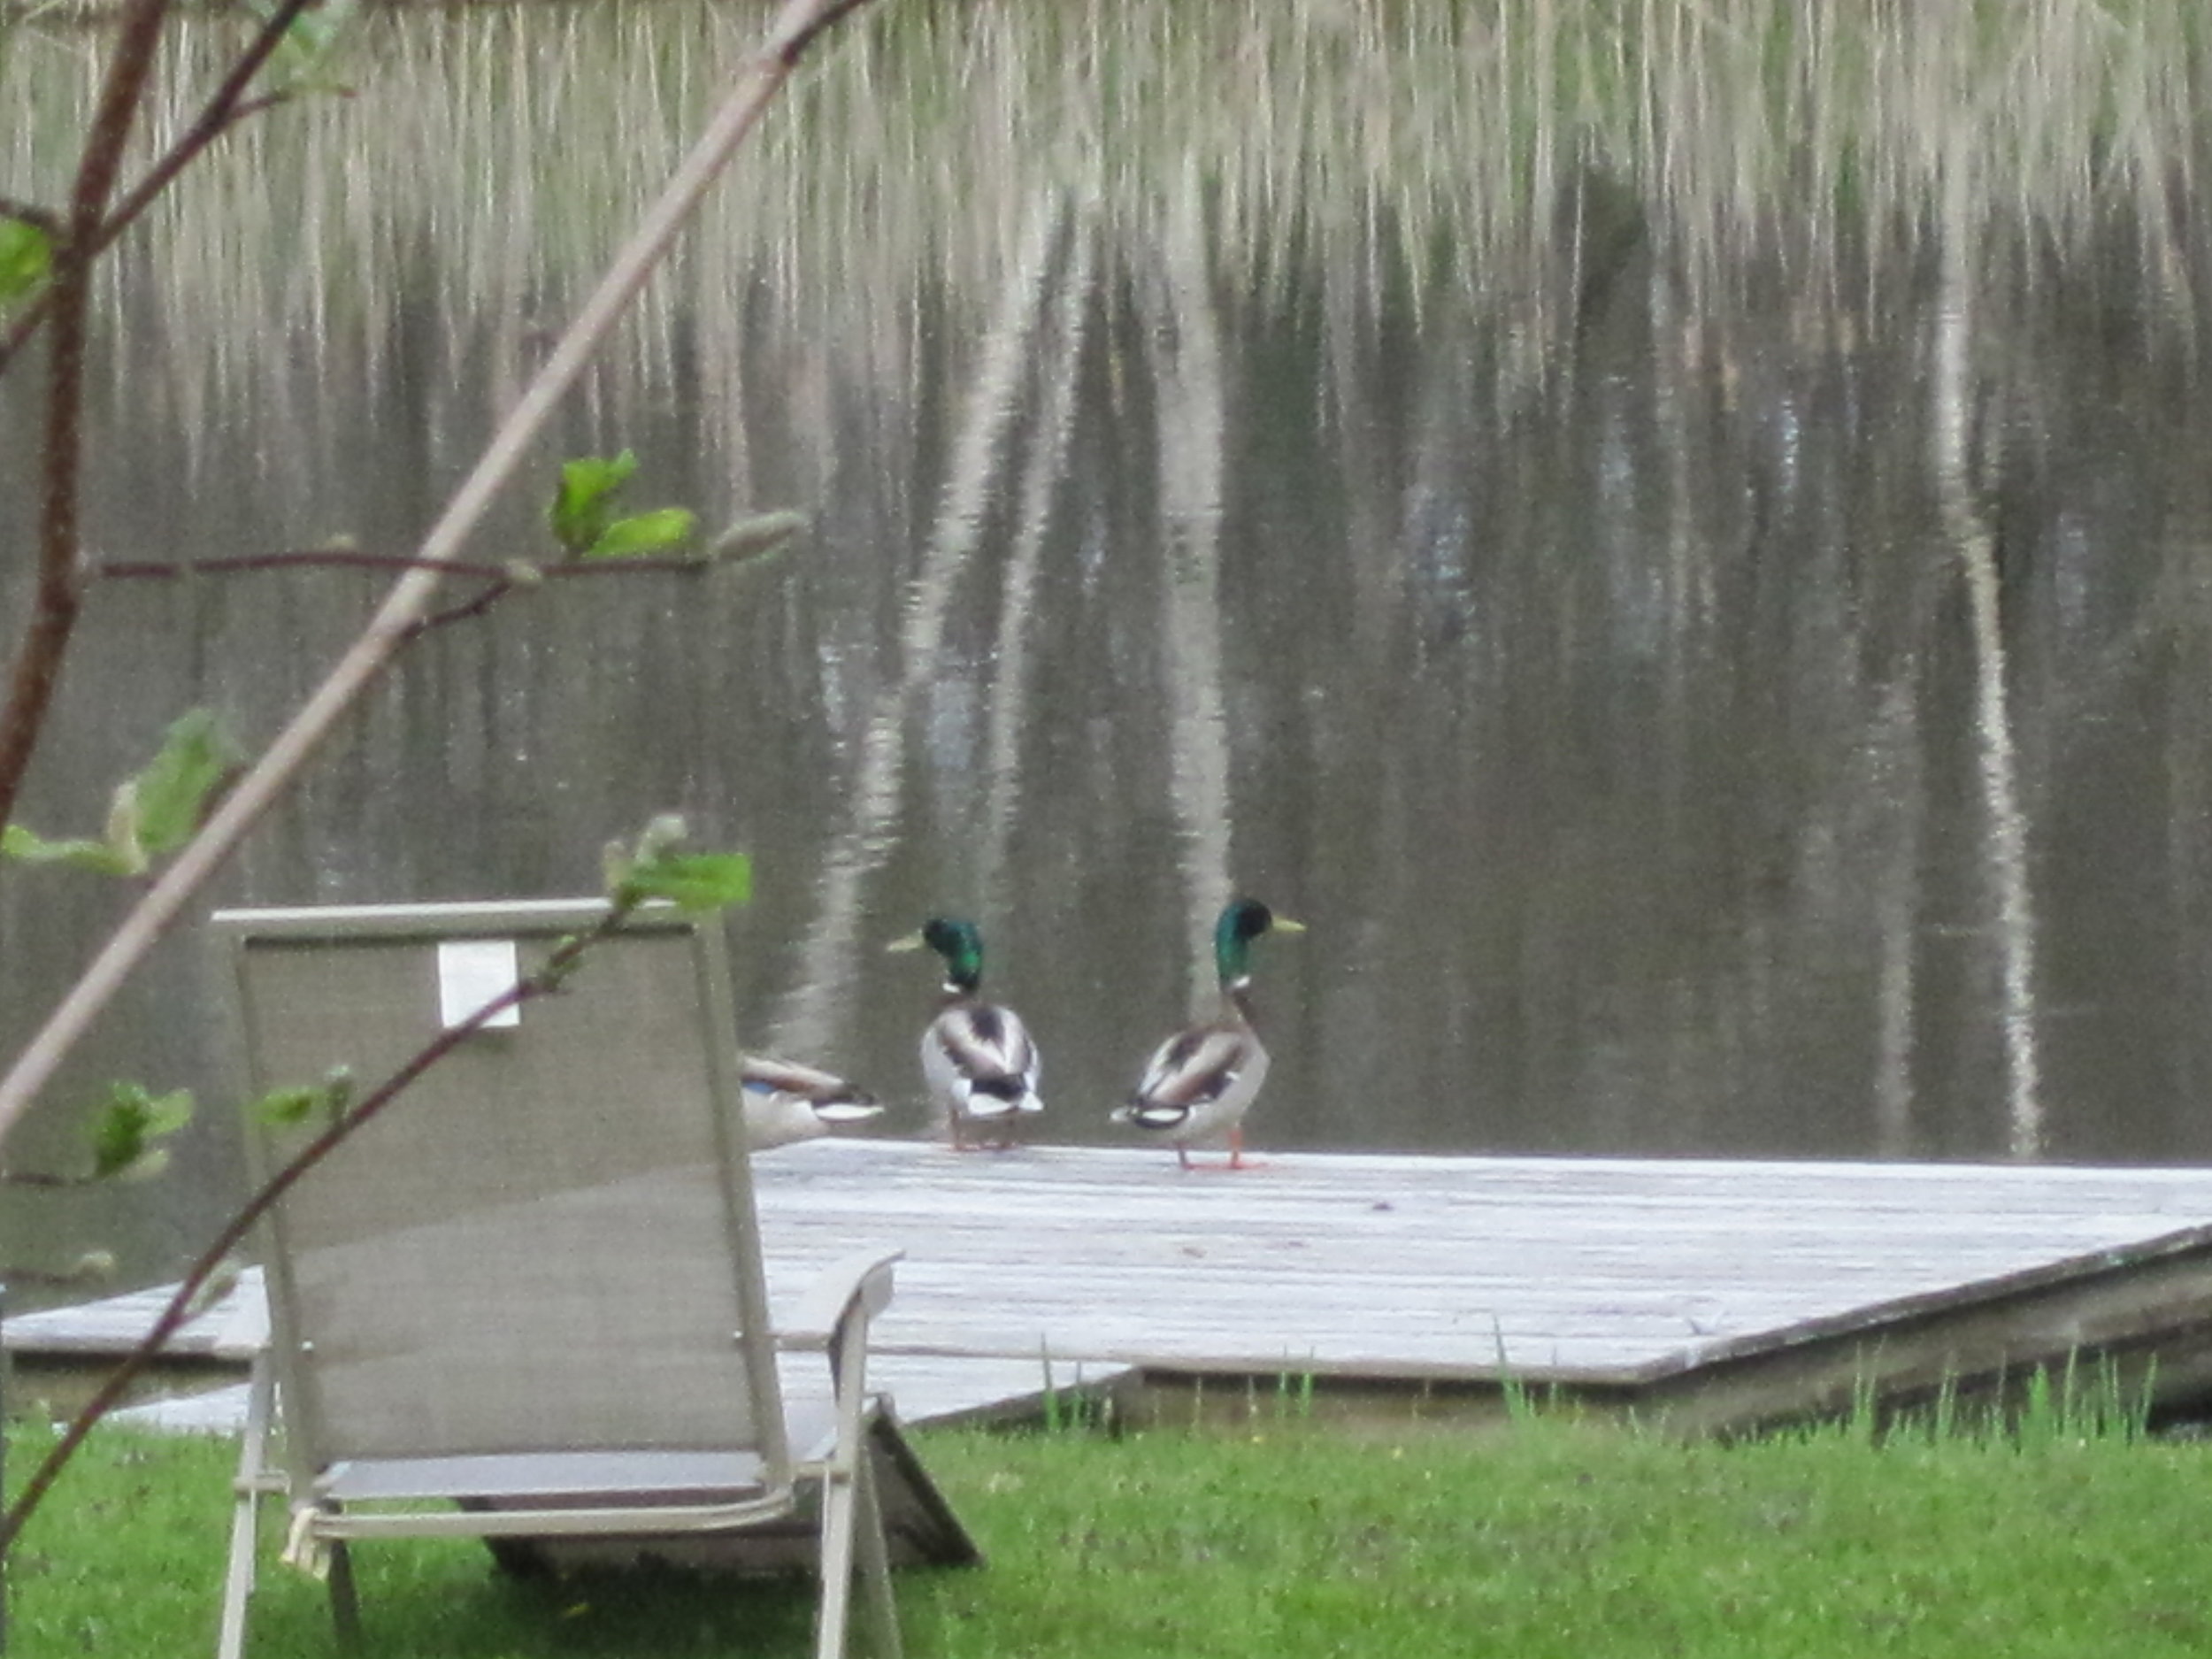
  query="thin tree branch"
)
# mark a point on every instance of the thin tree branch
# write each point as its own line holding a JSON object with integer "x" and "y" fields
{"x": 225, "y": 108}
{"x": 796, "y": 27}
{"x": 91, "y": 1268}
{"x": 501, "y": 582}
{"x": 467, "y": 611}
{"x": 38, "y": 217}
{"x": 549, "y": 976}
{"x": 59, "y": 594}
{"x": 353, "y": 559}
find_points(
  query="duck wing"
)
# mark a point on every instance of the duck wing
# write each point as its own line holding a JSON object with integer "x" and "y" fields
{"x": 788, "y": 1077}
{"x": 832, "y": 1099}
{"x": 988, "y": 1049}
{"x": 1191, "y": 1070}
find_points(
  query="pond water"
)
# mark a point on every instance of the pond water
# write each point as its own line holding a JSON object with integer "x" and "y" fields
{"x": 1692, "y": 582}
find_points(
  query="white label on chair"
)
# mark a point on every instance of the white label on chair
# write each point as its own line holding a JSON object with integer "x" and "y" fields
{"x": 471, "y": 973}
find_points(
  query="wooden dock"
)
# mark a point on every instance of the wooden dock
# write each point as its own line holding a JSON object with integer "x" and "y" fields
{"x": 1718, "y": 1294}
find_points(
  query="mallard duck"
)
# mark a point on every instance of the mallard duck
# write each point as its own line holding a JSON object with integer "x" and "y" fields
{"x": 1200, "y": 1082}
{"x": 977, "y": 1056}
{"x": 786, "y": 1102}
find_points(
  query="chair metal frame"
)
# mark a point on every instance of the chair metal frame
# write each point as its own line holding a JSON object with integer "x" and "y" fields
{"x": 759, "y": 1487}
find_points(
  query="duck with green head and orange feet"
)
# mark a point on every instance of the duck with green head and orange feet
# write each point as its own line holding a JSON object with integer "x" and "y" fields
{"x": 1201, "y": 1081}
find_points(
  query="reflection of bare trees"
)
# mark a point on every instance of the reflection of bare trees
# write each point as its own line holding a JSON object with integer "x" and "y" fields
{"x": 1537, "y": 531}
{"x": 2012, "y": 915}
{"x": 1666, "y": 804}
{"x": 819, "y": 999}
{"x": 1896, "y": 794}
{"x": 1192, "y": 423}
{"x": 1043, "y": 476}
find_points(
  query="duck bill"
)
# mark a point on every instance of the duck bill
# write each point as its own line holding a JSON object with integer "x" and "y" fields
{"x": 912, "y": 942}
{"x": 1284, "y": 925}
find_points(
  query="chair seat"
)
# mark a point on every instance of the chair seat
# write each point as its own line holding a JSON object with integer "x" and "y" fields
{"x": 550, "y": 1478}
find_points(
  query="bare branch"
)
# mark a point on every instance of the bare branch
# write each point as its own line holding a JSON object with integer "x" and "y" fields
{"x": 466, "y": 611}
{"x": 37, "y": 218}
{"x": 501, "y": 582}
{"x": 354, "y": 558}
{"x": 59, "y": 594}
{"x": 226, "y": 107}
{"x": 799, "y": 25}
{"x": 88, "y": 1268}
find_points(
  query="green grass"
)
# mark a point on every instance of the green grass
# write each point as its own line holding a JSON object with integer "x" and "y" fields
{"x": 1545, "y": 1537}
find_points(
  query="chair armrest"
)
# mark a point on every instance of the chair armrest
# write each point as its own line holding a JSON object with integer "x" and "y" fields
{"x": 860, "y": 1282}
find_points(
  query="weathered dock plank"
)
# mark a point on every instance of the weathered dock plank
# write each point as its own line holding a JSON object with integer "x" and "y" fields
{"x": 1447, "y": 1268}
{"x": 226, "y": 1330}
{"x": 1766, "y": 1281}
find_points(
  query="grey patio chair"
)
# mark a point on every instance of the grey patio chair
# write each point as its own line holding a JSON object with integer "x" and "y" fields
{"x": 526, "y": 1303}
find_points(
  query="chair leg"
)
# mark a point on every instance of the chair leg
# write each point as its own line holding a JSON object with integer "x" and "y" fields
{"x": 832, "y": 1616}
{"x": 345, "y": 1601}
{"x": 875, "y": 1559}
{"x": 251, "y": 1481}
{"x": 245, "y": 1536}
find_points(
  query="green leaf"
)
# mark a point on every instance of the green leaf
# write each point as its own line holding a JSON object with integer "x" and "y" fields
{"x": 92, "y": 1265}
{"x": 657, "y": 868}
{"x": 691, "y": 881}
{"x": 761, "y": 533}
{"x": 123, "y": 842}
{"x": 26, "y": 257}
{"x": 307, "y": 59}
{"x": 644, "y": 533}
{"x": 290, "y": 1108}
{"x": 585, "y": 501}
{"x": 168, "y": 1113}
{"x": 313, "y": 33}
{"x": 174, "y": 791}
{"x": 153, "y": 813}
{"x": 32, "y": 849}
{"x": 285, "y": 1108}
{"x": 125, "y": 1128}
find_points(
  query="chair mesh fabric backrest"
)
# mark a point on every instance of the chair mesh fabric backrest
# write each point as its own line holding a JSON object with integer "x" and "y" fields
{"x": 544, "y": 1243}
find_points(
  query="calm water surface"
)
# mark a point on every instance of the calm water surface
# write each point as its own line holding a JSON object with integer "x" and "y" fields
{"x": 1735, "y": 693}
